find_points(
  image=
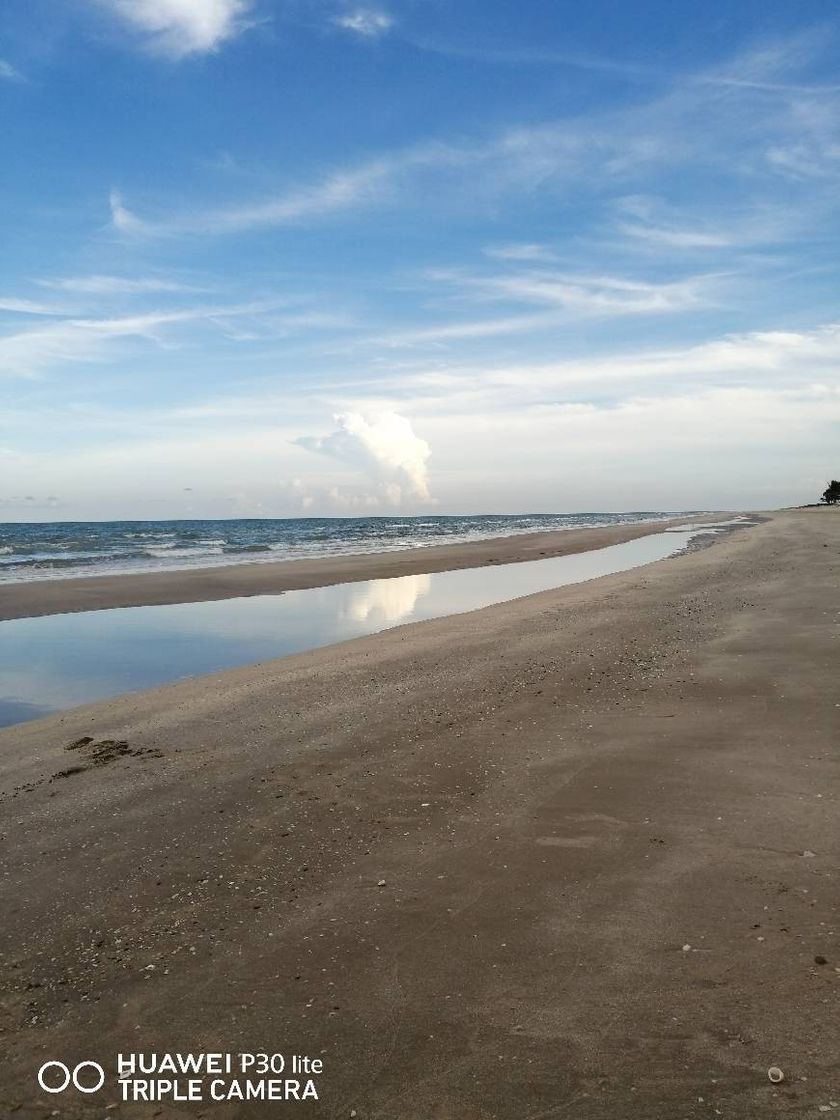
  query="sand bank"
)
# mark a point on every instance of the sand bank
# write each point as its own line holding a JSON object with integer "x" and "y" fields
{"x": 574, "y": 855}
{"x": 22, "y": 600}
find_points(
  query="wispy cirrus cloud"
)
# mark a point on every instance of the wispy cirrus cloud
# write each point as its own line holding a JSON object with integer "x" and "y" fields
{"x": 559, "y": 299}
{"x": 784, "y": 361}
{"x": 334, "y": 193}
{"x": 519, "y": 159}
{"x": 116, "y": 285}
{"x": 534, "y": 56}
{"x": 650, "y": 224}
{"x": 803, "y": 361}
{"x": 440, "y": 334}
{"x": 181, "y": 27}
{"x": 676, "y": 238}
{"x": 27, "y": 307}
{"x": 29, "y": 352}
{"x": 520, "y": 251}
{"x": 597, "y": 156}
{"x": 585, "y": 294}
{"x": 775, "y": 66}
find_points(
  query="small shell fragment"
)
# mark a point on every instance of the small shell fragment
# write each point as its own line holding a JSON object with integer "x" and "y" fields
{"x": 775, "y": 1075}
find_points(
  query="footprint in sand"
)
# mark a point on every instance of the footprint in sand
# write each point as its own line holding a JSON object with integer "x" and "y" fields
{"x": 101, "y": 753}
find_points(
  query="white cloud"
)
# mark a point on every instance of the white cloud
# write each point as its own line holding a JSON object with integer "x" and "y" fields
{"x": 730, "y": 446}
{"x": 8, "y": 72}
{"x": 382, "y": 445}
{"x": 369, "y": 23}
{"x": 182, "y": 27}
{"x": 122, "y": 218}
{"x": 741, "y": 420}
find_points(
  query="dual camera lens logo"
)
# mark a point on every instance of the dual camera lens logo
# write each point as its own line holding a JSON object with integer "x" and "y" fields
{"x": 55, "y": 1077}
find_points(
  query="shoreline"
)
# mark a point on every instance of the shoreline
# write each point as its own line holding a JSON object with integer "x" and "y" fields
{"x": 566, "y": 854}
{"x": 29, "y": 599}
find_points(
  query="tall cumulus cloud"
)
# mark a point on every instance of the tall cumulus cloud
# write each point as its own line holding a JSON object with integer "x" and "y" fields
{"x": 385, "y": 447}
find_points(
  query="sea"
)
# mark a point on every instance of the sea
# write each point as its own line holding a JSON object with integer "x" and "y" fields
{"x": 57, "y": 550}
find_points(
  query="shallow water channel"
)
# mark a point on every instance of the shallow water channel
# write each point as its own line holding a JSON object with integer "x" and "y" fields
{"x": 59, "y": 661}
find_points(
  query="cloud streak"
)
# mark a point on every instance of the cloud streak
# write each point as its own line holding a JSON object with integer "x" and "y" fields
{"x": 26, "y": 307}
{"x": 756, "y": 360}
{"x": 28, "y": 353}
{"x": 332, "y": 194}
{"x": 115, "y": 285}
{"x": 589, "y": 295}
{"x": 604, "y": 154}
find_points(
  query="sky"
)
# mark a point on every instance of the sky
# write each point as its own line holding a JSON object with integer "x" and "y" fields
{"x": 312, "y": 257}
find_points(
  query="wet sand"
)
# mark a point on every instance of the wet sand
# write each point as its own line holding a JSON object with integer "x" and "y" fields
{"x": 201, "y": 585}
{"x": 570, "y": 856}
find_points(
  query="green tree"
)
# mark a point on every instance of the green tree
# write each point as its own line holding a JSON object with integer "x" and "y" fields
{"x": 831, "y": 494}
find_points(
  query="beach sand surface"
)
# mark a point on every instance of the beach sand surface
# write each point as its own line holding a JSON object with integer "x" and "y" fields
{"x": 570, "y": 856}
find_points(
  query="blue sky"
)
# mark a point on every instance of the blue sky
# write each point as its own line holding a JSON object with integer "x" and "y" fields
{"x": 266, "y": 258}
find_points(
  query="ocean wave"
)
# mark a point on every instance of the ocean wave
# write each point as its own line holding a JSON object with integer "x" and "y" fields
{"x": 56, "y": 558}
{"x": 58, "y": 550}
{"x": 174, "y": 550}
{"x": 42, "y": 563}
{"x": 148, "y": 536}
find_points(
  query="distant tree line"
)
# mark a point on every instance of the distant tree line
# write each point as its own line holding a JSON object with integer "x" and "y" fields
{"x": 831, "y": 494}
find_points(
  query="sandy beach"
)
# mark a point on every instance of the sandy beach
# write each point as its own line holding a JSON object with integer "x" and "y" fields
{"x": 570, "y": 856}
{"x": 201, "y": 585}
